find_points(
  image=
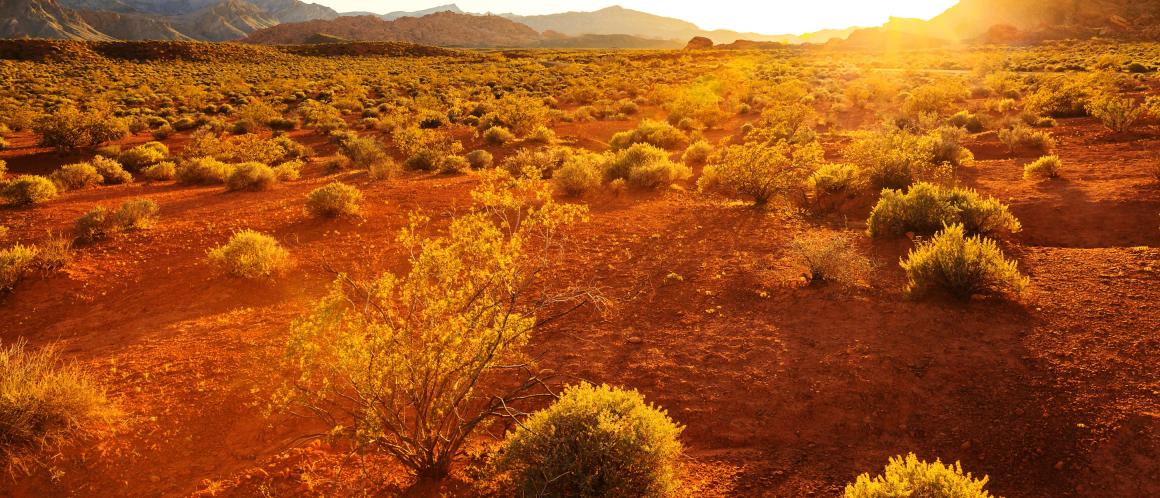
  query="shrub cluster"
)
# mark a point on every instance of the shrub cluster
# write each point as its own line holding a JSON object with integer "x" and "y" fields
{"x": 250, "y": 254}
{"x": 645, "y": 166}
{"x": 1022, "y": 136}
{"x": 27, "y": 190}
{"x": 926, "y": 208}
{"x": 961, "y": 265}
{"x": 658, "y": 133}
{"x": 334, "y": 199}
{"x": 760, "y": 171}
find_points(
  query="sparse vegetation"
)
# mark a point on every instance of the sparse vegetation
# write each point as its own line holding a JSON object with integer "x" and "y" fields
{"x": 1046, "y": 167}
{"x": 830, "y": 257}
{"x": 910, "y": 476}
{"x": 335, "y": 199}
{"x": 761, "y": 172}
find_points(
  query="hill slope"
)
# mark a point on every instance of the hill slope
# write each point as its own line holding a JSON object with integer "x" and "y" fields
{"x": 442, "y": 29}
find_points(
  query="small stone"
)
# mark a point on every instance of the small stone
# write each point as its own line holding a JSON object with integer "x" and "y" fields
{"x": 966, "y": 445}
{"x": 1059, "y": 465}
{"x": 154, "y": 478}
{"x": 635, "y": 340}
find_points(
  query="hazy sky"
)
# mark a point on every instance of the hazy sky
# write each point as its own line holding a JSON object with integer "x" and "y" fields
{"x": 767, "y": 17}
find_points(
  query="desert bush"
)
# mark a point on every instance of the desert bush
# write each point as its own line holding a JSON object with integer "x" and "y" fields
{"x": 1030, "y": 119}
{"x": 69, "y": 128}
{"x": 912, "y": 477}
{"x": 454, "y": 164}
{"x": 521, "y": 115}
{"x": 137, "y": 214}
{"x": 833, "y": 179}
{"x": 1046, "y": 167}
{"x": 3, "y": 143}
{"x": 761, "y": 171}
{"x": 334, "y": 199}
{"x": 3, "y": 169}
{"x": 142, "y": 156}
{"x": 384, "y": 170}
{"x": 498, "y": 135}
{"x": 160, "y": 172}
{"x": 697, "y": 153}
{"x": 203, "y": 171}
{"x": 289, "y": 171}
{"x": 1062, "y": 97}
{"x": 934, "y": 98}
{"x": 479, "y": 159}
{"x": 97, "y": 224}
{"x": 46, "y": 403}
{"x": 966, "y": 121}
{"x": 362, "y": 152}
{"x": 542, "y": 135}
{"x": 76, "y": 176}
{"x": 250, "y": 254}
{"x": 464, "y": 300}
{"x": 1021, "y": 136}
{"x": 15, "y": 262}
{"x": 926, "y": 208}
{"x": 961, "y": 266}
{"x": 538, "y": 162}
{"x": 645, "y": 166}
{"x": 789, "y": 122}
{"x": 893, "y": 158}
{"x": 251, "y": 177}
{"x": 594, "y": 442}
{"x": 111, "y": 170}
{"x": 27, "y": 190}
{"x": 945, "y": 145}
{"x": 1115, "y": 112}
{"x": 580, "y": 173}
{"x": 54, "y": 252}
{"x": 830, "y": 257}
{"x": 658, "y": 133}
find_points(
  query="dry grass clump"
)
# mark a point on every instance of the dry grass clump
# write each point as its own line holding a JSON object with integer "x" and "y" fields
{"x": 15, "y": 262}
{"x": 203, "y": 171}
{"x": 593, "y": 442}
{"x": 384, "y": 170}
{"x": 962, "y": 266}
{"x": 697, "y": 153}
{"x": 334, "y": 199}
{"x": 1023, "y": 136}
{"x": 250, "y": 254}
{"x": 831, "y": 257}
{"x": 100, "y": 222}
{"x": 912, "y": 477}
{"x": 498, "y": 135}
{"x": 645, "y": 166}
{"x": 479, "y": 159}
{"x": 761, "y": 171}
{"x": 362, "y": 152}
{"x": 27, "y": 190}
{"x": 46, "y": 403}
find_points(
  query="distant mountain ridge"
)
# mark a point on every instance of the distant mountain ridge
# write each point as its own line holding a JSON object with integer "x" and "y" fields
{"x": 446, "y": 29}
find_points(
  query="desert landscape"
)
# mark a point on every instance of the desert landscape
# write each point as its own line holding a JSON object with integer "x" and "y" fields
{"x": 269, "y": 249}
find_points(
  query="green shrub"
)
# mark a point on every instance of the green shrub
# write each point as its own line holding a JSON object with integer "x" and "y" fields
{"x": 160, "y": 172}
{"x": 926, "y": 208}
{"x": 384, "y": 170}
{"x": 1062, "y": 97}
{"x": 1022, "y": 136}
{"x": 203, "y": 171}
{"x": 29, "y": 189}
{"x": 697, "y": 154}
{"x": 15, "y": 262}
{"x": 454, "y": 164}
{"x": 334, "y": 199}
{"x": 1115, "y": 112}
{"x": 645, "y": 166}
{"x": 251, "y": 177}
{"x": 142, "y": 156}
{"x": 967, "y": 121}
{"x": 97, "y": 224}
{"x": 830, "y": 258}
{"x": 111, "y": 171}
{"x": 945, "y": 146}
{"x": 658, "y": 133}
{"x": 76, "y": 176}
{"x": 594, "y": 442}
{"x": 250, "y": 254}
{"x": 1046, "y": 167}
{"x": 498, "y": 135}
{"x": 761, "y": 172}
{"x": 479, "y": 159}
{"x": 915, "y": 478}
{"x": 960, "y": 265}
{"x": 834, "y": 179}
{"x": 580, "y": 173}
{"x": 137, "y": 214}
{"x": 362, "y": 152}
{"x": 542, "y": 135}
{"x": 289, "y": 171}
{"x": 47, "y": 403}
{"x": 894, "y": 158}
{"x": 69, "y": 128}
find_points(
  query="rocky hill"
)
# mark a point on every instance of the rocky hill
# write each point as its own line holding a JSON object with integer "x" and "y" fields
{"x": 442, "y": 29}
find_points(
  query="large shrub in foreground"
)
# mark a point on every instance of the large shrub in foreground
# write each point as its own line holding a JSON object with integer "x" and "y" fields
{"x": 45, "y": 403}
{"x": 28, "y": 189}
{"x": 911, "y": 477}
{"x": 962, "y": 266}
{"x": 926, "y": 208}
{"x": 398, "y": 364}
{"x": 594, "y": 442}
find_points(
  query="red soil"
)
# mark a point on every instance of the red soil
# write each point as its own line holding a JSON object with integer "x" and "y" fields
{"x": 785, "y": 390}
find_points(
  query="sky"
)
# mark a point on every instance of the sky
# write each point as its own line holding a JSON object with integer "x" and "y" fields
{"x": 766, "y": 17}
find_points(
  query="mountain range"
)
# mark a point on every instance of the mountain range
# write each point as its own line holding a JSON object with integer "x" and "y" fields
{"x": 299, "y": 22}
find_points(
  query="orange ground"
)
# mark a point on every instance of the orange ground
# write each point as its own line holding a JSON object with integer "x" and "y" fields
{"x": 786, "y": 391}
